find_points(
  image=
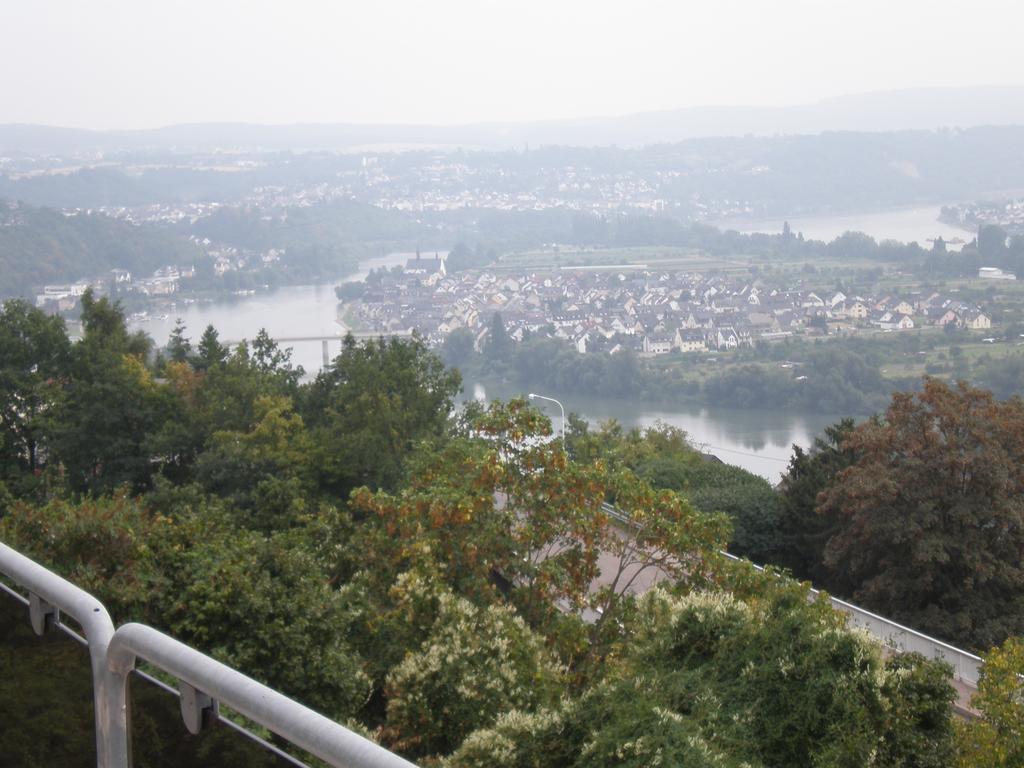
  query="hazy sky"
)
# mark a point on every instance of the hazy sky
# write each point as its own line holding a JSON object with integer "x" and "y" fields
{"x": 138, "y": 63}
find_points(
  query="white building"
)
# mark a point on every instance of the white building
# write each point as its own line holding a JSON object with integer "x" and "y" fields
{"x": 995, "y": 273}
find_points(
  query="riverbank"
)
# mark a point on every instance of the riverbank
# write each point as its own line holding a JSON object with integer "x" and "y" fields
{"x": 758, "y": 440}
{"x": 921, "y": 224}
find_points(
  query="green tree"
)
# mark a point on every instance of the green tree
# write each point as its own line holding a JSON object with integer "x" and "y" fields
{"x": 996, "y": 740}
{"x": 100, "y": 545}
{"x": 179, "y": 347}
{"x": 177, "y": 442}
{"x": 728, "y": 664}
{"x": 474, "y": 664}
{"x": 263, "y": 604}
{"x": 6, "y": 499}
{"x": 211, "y": 351}
{"x": 919, "y": 730}
{"x": 34, "y": 358}
{"x": 371, "y": 408}
{"x": 802, "y": 531}
{"x": 748, "y": 500}
{"x": 230, "y": 389}
{"x": 104, "y": 328}
{"x": 498, "y": 346}
{"x": 992, "y": 242}
{"x": 662, "y": 456}
{"x": 268, "y": 358}
{"x": 457, "y": 348}
{"x": 266, "y": 472}
{"x": 110, "y": 405}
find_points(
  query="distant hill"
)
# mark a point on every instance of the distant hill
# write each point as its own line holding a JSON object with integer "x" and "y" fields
{"x": 926, "y": 108}
{"x": 831, "y": 172}
{"x": 334, "y": 224}
{"x": 39, "y": 246}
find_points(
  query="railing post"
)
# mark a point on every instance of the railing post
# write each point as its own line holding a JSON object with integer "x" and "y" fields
{"x": 49, "y": 596}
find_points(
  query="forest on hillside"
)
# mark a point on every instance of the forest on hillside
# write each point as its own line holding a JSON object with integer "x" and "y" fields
{"x": 40, "y": 245}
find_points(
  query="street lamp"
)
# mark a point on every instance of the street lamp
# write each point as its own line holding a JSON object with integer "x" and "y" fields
{"x": 542, "y": 397}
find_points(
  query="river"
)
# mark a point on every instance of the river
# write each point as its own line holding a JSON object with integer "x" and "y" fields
{"x": 920, "y": 224}
{"x": 759, "y": 441}
{"x": 299, "y": 310}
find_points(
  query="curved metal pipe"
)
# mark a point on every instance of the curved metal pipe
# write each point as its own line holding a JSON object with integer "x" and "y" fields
{"x": 300, "y": 725}
{"x": 49, "y": 591}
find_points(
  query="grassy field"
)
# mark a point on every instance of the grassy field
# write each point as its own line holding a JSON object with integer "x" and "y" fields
{"x": 598, "y": 257}
{"x": 667, "y": 258}
{"x": 935, "y": 351}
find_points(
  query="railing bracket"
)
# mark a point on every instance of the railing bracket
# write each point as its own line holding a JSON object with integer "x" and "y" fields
{"x": 198, "y": 709}
{"x": 40, "y": 613}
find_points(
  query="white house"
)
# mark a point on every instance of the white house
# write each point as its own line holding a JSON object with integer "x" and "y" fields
{"x": 658, "y": 343}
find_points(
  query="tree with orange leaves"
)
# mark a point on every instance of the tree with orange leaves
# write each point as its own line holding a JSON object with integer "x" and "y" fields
{"x": 505, "y": 509}
{"x": 931, "y": 516}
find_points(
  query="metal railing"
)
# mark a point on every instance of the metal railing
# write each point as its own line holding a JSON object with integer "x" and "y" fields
{"x": 48, "y": 596}
{"x": 966, "y": 666}
{"x": 203, "y": 681}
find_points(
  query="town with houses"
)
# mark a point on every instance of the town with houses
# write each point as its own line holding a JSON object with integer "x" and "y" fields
{"x": 64, "y": 297}
{"x": 650, "y": 312}
{"x": 1007, "y": 214}
{"x": 441, "y": 183}
{"x": 164, "y": 282}
{"x": 597, "y": 309}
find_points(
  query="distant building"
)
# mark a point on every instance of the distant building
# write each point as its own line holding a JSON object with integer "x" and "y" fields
{"x": 658, "y": 343}
{"x": 995, "y": 273}
{"x": 60, "y": 291}
{"x": 942, "y": 316}
{"x": 976, "y": 320}
{"x": 60, "y": 298}
{"x": 690, "y": 341}
{"x": 426, "y": 266}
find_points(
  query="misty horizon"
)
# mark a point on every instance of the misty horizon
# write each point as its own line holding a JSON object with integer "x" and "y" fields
{"x": 123, "y": 65}
{"x": 986, "y": 88}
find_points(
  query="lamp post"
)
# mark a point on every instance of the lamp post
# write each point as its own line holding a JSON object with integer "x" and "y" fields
{"x": 542, "y": 397}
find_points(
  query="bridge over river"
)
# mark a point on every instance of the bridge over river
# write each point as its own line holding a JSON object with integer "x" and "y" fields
{"x": 338, "y": 338}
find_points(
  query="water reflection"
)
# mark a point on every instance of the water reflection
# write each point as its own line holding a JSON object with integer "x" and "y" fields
{"x": 760, "y": 441}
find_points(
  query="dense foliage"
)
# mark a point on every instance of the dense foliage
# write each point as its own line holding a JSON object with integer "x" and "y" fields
{"x": 803, "y": 533}
{"x": 830, "y": 378}
{"x": 451, "y": 583}
{"x": 996, "y": 740}
{"x": 663, "y": 456}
